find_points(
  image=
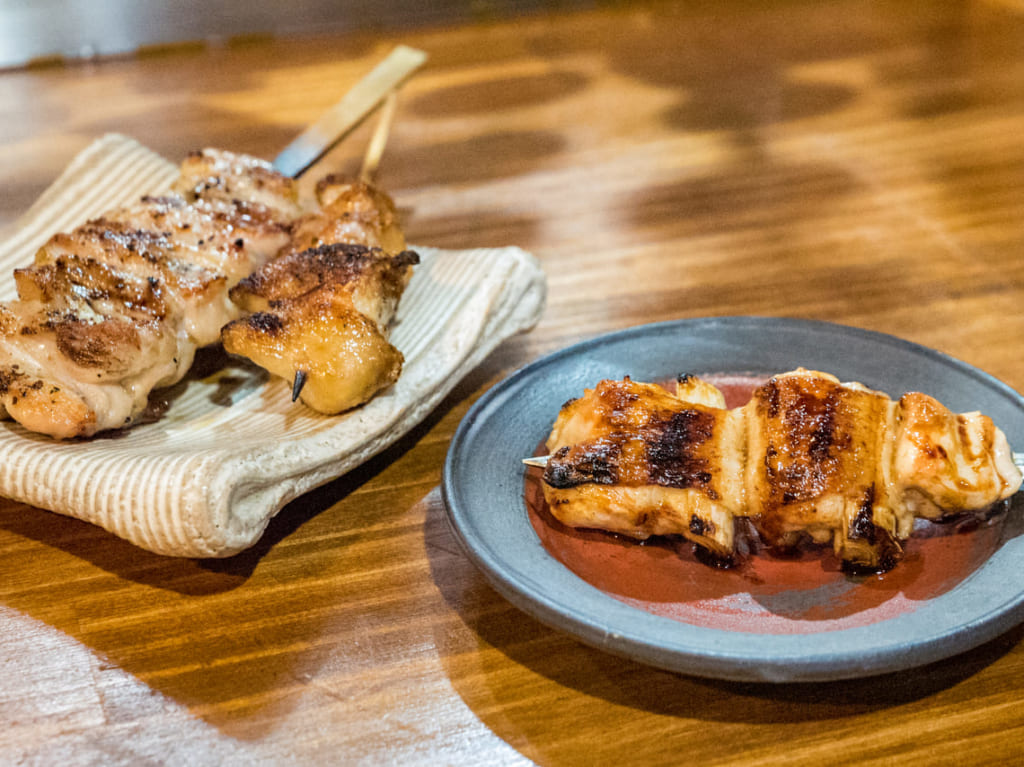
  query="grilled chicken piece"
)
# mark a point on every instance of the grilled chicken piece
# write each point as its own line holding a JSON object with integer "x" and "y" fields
{"x": 117, "y": 307}
{"x": 321, "y": 319}
{"x": 806, "y": 457}
{"x": 353, "y": 212}
{"x": 631, "y": 458}
{"x": 944, "y": 461}
{"x": 216, "y": 174}
{"x": 228, "y": 238}
{"x": 820, "y": 466}
{"x": 89, "y": 344}
{"x": 199, "y": 293}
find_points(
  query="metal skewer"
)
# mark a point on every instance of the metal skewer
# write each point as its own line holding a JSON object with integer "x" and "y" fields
{"x": 298, "y": 382}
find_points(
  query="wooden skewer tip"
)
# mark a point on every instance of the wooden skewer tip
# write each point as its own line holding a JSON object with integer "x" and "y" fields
{"x": 375, "y": 150}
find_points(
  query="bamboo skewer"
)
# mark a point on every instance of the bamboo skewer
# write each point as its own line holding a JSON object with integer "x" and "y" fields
{"x": 354, "y": 107}
{"x": 379, "y": 86}
{"x": 379, "y": 140}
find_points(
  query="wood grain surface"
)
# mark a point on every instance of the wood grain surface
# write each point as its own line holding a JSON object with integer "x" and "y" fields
{"x": 858, "y": 162}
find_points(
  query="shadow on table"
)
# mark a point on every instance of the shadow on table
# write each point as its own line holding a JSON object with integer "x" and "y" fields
{"x": 541, "y": 660}
{"x": 183, "y": 626}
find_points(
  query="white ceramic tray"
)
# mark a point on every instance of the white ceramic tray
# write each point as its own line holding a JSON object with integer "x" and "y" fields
{"x": 204, "y": 479}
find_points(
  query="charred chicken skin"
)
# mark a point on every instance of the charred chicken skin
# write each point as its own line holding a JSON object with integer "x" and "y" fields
{"x": 320, "y": 313}
{"x": 118, "y": 306}
{"x": 320, "y": 318}
{"x": 806, "y": 457}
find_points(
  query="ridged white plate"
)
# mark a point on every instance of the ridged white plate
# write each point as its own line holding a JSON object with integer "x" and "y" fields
{"x": 204, "y": 479}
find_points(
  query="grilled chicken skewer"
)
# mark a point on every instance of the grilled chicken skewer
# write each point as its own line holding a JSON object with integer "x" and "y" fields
{"x": 807, "y": 457}
{"x": 118, "y": 306}
{"x": 541, "y": 461}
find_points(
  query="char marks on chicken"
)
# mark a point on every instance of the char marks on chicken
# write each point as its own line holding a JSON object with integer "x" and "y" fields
{"x": 118, "y": 306}
{"x": 806, "y": 458}
{"x": 321, "y": 311}
{"x": 323, "y": 315}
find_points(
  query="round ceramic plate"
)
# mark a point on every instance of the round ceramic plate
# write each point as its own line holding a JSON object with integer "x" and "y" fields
{"x": 484, "y": 485}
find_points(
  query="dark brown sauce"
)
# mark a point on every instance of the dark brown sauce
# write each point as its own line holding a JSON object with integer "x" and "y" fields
{"x": 801, "y": 592}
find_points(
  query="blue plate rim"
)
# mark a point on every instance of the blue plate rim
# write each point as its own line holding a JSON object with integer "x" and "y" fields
{"x": 522, "y": 571}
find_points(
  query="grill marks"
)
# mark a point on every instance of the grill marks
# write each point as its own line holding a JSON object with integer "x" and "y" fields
{"x": 674, "y": 450}
{"x": 595, "y": 464}
{"x": 805, "y": 441}
{"x": 806, "y": 458}
{"x": 117, "y": 307}
{"x": 667, "y": 451}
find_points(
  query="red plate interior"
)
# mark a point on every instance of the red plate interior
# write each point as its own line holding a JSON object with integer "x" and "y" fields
{"x": 764, "y": 593}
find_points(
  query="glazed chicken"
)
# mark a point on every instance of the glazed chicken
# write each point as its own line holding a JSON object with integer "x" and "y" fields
{"x": 321, "y": 321}
{"x": 118, "y": 307}
{"x": 806, "y": 457}
{"x": 321, "y": 311}
{"x": 349, "y": 212}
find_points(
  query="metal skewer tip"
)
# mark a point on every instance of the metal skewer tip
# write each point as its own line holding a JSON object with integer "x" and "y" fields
{"x": 539, "y": 461}
{"x": 298, "y": 383}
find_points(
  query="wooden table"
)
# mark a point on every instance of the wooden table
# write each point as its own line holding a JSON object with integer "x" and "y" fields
{"x": 856, "y": 162}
